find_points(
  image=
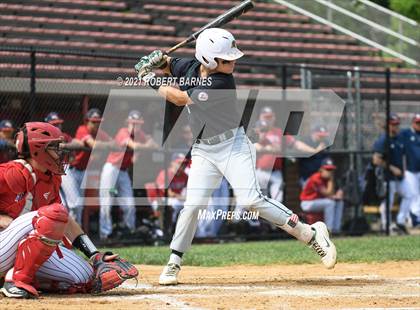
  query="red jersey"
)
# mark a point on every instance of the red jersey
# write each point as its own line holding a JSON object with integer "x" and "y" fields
{"x": 177, "y": 182}
{"x": 272, "y": 161}
{"x": 22, "y": 191}
{"x": 81, "y": 158}
{"x": 125, "y": 159}
{"x": 313, "y": 186}
{"x": 67, "y": 137}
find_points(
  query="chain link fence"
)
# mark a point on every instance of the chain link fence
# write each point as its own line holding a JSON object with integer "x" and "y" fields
{"x": 31, "y": 87}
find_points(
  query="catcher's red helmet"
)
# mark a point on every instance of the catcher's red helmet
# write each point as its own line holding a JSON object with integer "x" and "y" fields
{"x": 35, "y": 139}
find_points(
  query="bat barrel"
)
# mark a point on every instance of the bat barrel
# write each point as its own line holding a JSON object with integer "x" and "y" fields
{"x": 223, "y": 19}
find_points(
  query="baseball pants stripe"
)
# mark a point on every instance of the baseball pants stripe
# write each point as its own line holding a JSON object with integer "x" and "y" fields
{"x": 71, "y": 269}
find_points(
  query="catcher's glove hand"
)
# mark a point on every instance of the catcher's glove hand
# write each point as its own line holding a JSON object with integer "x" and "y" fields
{"x": 110, "y": 271}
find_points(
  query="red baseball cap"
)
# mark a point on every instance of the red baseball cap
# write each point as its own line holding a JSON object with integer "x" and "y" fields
{"x": 328, "y": 164}
{"x": 321, "y": 131}
{"x": 416, "y": 118}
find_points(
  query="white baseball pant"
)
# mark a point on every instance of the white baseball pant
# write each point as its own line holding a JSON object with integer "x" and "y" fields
{"x": 401, "y": 188}
{"x": 235, "y": 160}
{"x": 333, "y": 211}
{"x": 272, "y": 181}
{"x": 72, "y": 192}
{"x": 112, "y": 178}
{"x": 69, "y": 270}
{"x": 412, "y": 184}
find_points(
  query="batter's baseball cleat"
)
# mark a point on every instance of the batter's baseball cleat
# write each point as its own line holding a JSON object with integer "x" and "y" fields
{"x": 10, "y": 290}
{"x": 169, "y": 275}
{"x": 323, "y": 246}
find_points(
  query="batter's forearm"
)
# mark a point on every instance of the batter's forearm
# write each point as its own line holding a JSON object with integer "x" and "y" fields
{"x": 174, "y": 95}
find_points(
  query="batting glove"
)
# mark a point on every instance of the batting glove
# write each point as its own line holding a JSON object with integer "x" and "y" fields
{"x": 157, "y": 59}
{"x": 143, "y": 67}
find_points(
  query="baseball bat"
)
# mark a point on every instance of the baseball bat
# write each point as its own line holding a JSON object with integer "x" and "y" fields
{"x": 221, "y": 20}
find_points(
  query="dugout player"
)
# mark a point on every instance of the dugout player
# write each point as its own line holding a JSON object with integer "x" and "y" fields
{"x": 220, "y": 138}
{"x": 54, "y": 119}
{"x": 33, "y": 222}
{"x": 177, "y": 177}
{"x": 310, "y": 165}
{"x": 7, "y": 131}
{"x": 411, "y": 139}
{"x": 269, "y": 165}
{"x": 115, "y": 179}
{"x": 89, "y": 135}
{"x": 320, "y": 195}
{"x": 7, "y": 146}
{"x": 398, "y": 183}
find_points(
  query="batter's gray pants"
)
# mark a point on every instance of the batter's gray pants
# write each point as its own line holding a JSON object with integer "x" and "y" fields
{"x": 234, "y": 159}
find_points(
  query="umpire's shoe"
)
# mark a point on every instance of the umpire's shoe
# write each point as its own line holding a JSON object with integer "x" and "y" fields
{"x": 10, "y": 290}
{"x": 169, "y": 275}
{"x": 322, "y": 245}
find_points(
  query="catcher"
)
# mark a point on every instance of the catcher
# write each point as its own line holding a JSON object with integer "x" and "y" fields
{"x": 36, "y": 232}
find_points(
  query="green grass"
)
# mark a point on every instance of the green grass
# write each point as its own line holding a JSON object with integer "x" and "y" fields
{"x": 363, "y": 249}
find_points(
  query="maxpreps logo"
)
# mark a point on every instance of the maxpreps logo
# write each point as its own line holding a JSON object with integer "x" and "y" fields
{"x": 19, "y": 197}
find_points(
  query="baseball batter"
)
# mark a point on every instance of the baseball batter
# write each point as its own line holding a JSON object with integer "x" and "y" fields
{"x": 33, "y": 223}
{"x": 222, "y": 148}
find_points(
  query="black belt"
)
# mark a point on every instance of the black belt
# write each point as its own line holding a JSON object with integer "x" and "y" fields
{"x": 217, "y": 139}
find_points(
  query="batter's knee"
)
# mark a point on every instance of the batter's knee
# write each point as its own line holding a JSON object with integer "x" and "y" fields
{"x": 250, "y": 200}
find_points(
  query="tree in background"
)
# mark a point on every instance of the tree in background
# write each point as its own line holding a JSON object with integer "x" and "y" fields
{"x": 409, "y": 8}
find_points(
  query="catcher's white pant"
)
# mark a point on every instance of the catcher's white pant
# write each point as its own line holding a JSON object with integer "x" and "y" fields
{"x": 402, "y": 189}
{"x": 333, "y": 211}
{"x": 234, "y": 159}
{"x": 272, "y": 181}
{"x": 412, "y": 183}
{"x": 112, "y": 178}
{"x": 69, "y": 270}
{"x": 72, "y": 192}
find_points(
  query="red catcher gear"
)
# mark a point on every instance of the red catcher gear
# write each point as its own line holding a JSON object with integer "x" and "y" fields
{"x": 35, "y": 139}
{"x": 49, "y": 226}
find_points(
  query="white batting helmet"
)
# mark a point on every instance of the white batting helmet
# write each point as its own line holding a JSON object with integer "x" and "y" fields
{"x": 216, "y": 43}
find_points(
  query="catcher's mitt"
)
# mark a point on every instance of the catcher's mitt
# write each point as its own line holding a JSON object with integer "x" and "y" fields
{"x": 110, "y": 271}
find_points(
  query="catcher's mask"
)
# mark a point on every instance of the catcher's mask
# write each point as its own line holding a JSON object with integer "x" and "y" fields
{"x": 41, "y": 142}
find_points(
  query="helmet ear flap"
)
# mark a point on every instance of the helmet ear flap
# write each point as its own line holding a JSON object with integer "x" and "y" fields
{"x": 23, "y": 149}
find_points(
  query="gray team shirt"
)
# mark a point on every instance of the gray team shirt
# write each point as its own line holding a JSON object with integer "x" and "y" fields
{"x": 214, "y": 110}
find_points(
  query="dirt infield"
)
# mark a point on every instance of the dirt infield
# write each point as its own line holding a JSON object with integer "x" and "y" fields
{"x": 350, "y": 286}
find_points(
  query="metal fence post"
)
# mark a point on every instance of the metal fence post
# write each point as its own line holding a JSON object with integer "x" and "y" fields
{"x": 350, "y": 102}
{"x": 284, "y": 168}
{"x": 303, "y": 81}
{"x": 358, "y": 120}
{"x": 387, "y": 143}
{"x": 32, "y": 94}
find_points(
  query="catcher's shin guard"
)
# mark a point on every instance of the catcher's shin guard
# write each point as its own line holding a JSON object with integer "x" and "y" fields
{"x": 33, "y": 251}
{"x": 110, "y": 272}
